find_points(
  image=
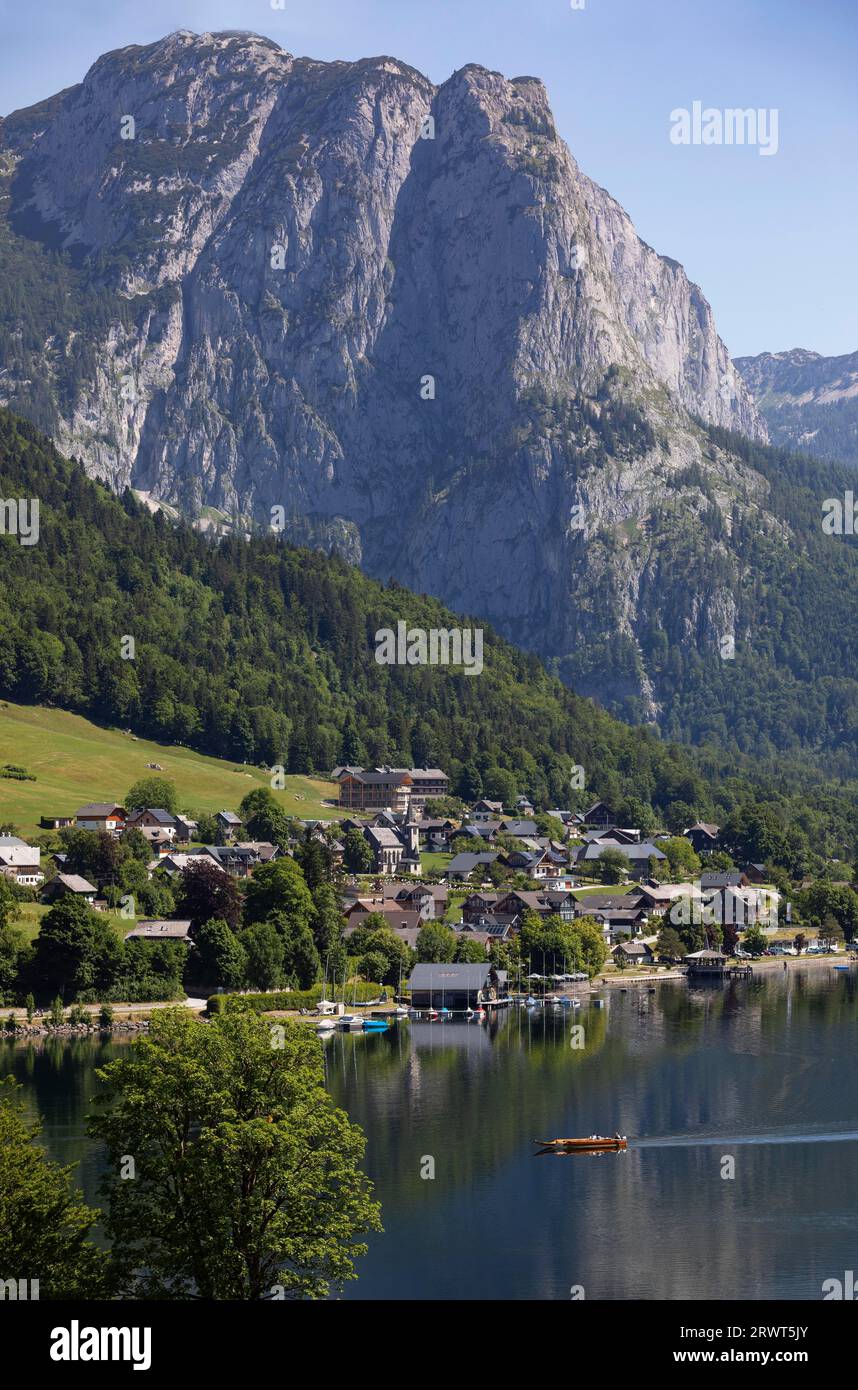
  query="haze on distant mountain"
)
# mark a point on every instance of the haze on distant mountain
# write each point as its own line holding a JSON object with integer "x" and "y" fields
{"x": 400, "y": 320}
{"x": 808, "y": 401}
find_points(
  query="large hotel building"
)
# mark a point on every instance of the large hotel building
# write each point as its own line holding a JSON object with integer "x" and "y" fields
{"x": 394, "y": 788}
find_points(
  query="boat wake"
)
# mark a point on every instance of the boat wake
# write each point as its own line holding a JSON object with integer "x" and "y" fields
{"x": 694, "y": 1141}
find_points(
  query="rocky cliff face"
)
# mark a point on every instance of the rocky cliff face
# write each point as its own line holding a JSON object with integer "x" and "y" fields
{"x": 397, "y": 314}
{"x": 809, "y": 402}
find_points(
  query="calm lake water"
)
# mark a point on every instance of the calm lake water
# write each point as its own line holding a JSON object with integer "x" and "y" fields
{"x": 759, "y": 1072}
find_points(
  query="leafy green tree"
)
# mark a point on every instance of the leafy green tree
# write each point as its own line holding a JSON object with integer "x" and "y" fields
{"x": 613, "y": 865}
{"x": 754, "y": 942}
{"x": 372, "y": 965}
{"x": 357, "y": 855}
{"x": 278, "y": 886}
{"x": 76, "y": 949}
{"x": 435, "y": 943}
{"x": 219, "y": 957}
{"x": 301, "y": 962}
{"x": 156, "y": 793}
{"x": 682, "y": 861}
{"x": 668, "y": 943}
{"x": 468, "y": 951}
{"x": 8, "y": 902}
{"x": 12, "y": 949}
{"x": 265, "y": 953}
{"x": 248, "y": 1183}
{"x": 44, "y": 1224}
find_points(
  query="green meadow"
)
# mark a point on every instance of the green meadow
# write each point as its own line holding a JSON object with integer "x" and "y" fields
{"x": 75, "y": 761}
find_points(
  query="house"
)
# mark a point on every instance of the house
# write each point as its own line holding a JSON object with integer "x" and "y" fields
{"x": 240, "y": 858}
{"x": 154, "y": 823}
{"x": 160, "y": 930}
{"x": 622, "y": 922}
{"x": 524, "y": 807}
{"x": 633, "y": 953}
{"x": 186, "y": 829}
{"x": 20, "y": 862}
{"x": 436, "y": 834}
{"x": 228, "y": 823}
{"x": 429, "y": 901}
{"x": 639, "y": 856}
{"x": 730, "y": 878}
{"x": 519, "y": 829}
{"x": 68, "y": 885}
{"x": 55, "y": 822}
{"x": 399, "y": 788}
{"x": 398, "y": 919}
{"x": 478, "y": 906}
{"x": 101, "y": 815}
{"x": 455, "y": 986}
{"x": 755, "y": 873}
{"x": 175, "y": 862}
{"x": 487, "y": 809}
{"x": 703, "y": 837}
{"x": 463, "y": 865}
{"x": 479, "y": 830}
{"x": 599, "y": 813}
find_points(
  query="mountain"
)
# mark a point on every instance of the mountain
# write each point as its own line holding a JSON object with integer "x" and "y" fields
{"x": 397, "y": 321}
{"x": 263, "y": 652}
{"x": 809, "y": 402}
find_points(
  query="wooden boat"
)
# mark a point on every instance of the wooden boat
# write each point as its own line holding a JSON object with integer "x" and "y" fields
{"x": 596, "y": 1143}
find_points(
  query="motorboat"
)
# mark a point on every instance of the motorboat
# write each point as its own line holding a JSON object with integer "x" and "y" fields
{"x": 594, "y": 1143}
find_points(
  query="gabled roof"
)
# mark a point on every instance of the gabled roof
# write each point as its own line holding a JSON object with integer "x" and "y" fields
{"x": 441, "y": 977}
{"x": 157, "y": 812}
{"x": 75, "y": 884}
{"x": 95, "y": 810}
{"x": 467, "y": 862}
{"x": 230, "y": 817}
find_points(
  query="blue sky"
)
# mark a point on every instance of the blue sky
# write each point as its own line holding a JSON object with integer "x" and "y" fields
{"x": 771, "y": 240}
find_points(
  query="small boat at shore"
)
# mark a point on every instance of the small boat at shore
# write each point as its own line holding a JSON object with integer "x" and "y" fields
{"x": 375, "y": 1025}
{"x": 596, "y": 1143}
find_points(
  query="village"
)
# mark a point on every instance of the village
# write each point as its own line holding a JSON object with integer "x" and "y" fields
{"x": 469, "y": 887}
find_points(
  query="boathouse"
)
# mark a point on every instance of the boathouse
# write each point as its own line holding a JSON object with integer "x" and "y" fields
{"x": 442, "y": 986}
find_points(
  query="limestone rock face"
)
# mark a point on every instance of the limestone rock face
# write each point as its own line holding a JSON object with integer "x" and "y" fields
{"x": 397, "y": 316}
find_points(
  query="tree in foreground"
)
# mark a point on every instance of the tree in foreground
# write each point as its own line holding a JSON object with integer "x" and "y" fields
{"x": 44, "y": 1224}
{"x": 247, "y": 1177}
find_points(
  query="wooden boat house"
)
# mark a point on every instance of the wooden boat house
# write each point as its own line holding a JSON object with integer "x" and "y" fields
{"x": 454, "y": 987}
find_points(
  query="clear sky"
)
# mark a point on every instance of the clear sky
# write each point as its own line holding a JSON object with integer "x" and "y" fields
{"x": 771, "y": 239}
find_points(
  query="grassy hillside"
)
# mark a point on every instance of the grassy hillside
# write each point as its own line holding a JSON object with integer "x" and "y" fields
{"x": 74, "y": 761}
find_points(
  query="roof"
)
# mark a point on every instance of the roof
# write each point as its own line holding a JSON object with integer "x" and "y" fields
{"x": 466, "y": 862}
{"x": 731, "y": 878}
{"x": 632, "y": 851}
{"x": 75, "y": 884}
{"x": 634, "y": 948}
{"x": 230, "y": 817}
{"x": 707, "y": 827}
{"x": 11, "y": 842}
{"x": 441, "y": 977}
{"x": 519, "y": 828}
{"x": 383, "y": 838}
{"x": 400, "y": 919}
{"x": 161, "y": 816}
{"x": 607, "y": 902}
{"x": 19, "y": 854}
{"x": 95, "y": 809}
{"x": 161, "y": 930}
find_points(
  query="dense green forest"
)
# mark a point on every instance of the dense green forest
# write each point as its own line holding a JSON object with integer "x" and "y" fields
{"x": 261, "y": 651}
{"x": 792, "y": 687}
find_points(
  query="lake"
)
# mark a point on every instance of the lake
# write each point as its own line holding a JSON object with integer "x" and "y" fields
{"x": 740, "y": 1102}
